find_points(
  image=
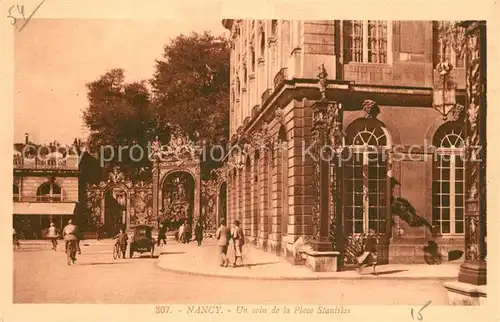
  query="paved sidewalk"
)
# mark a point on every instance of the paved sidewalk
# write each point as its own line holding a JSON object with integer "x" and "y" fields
{"x": 204, "y": 261}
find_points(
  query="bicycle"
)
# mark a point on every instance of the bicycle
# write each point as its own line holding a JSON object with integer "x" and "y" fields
{"x": 71, "y": 252}
{"x": 117, "y": 253}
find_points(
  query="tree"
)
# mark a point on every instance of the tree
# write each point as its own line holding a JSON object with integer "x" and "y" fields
{"x": 191, "y": 87}
{"x": 119, "y": 115}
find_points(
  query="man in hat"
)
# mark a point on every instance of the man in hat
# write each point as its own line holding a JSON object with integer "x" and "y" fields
{"x": 52, "y": 235}
{"x": 223, "y": 236}
{"x": 238, "y": 237}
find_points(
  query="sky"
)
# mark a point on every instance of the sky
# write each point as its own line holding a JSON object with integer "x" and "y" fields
{"x": 55, "y": 58}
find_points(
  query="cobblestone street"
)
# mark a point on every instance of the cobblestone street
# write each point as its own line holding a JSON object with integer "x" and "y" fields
{"x": 42, "y": 276}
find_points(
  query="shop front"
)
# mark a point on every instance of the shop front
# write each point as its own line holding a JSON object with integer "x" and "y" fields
{"x": 32, "y": 219}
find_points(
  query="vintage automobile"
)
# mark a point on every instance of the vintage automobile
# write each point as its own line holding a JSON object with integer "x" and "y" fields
{"x": 142, "y": 240}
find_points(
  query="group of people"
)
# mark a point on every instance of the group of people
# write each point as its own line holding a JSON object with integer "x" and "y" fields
{"x": 235, "y": 234}
{"x": 184, "y": 233}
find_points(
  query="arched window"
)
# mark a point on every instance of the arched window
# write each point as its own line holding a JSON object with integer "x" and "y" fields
{"x": 49, "y": 192}
{"x": 365, "y": 178}
{"x": 448, "y": 196}
{"x": 15, "y": 192}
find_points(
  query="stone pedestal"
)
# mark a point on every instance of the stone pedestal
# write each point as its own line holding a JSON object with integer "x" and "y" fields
{"x": 465, "y": 294}
{"x": 322, "y": 261}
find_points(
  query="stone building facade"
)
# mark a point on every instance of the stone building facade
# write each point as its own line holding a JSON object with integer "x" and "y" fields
{"x": 45, "y": 189}
{"x": 365, "y": 90}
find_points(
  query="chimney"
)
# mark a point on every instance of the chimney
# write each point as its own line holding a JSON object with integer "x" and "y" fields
{"x": 26, "y": 138}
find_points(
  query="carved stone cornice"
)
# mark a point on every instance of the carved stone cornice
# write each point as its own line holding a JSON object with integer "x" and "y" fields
{"x": 246, "y": 121}
{"x": 279, "y": 115}
{"x": 255, "y": 111}
{"x": 370, "y": 108}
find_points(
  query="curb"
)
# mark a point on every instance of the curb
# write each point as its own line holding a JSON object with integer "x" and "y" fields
{"x": 306, "y": 278}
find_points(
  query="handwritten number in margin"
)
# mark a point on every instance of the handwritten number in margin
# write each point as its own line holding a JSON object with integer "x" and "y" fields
{"x": 420, "y": 317}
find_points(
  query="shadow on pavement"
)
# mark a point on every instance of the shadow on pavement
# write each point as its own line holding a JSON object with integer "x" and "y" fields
{"x": 92, "y": 264}
{"x": 171, "y": 253}
{"x": 145, "y": 257}
{"x": 391, "y": 272}
{"x": 258, "y": 264}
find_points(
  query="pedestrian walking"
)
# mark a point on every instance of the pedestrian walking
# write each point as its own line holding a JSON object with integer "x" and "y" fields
{"x": 181, "y": 233}
{"x": 162, "y": 234}
{"x": 369, "y": 255}
{"x": 99, "y": 226}
{"x": 187, "y": 233}
{"x": 122, "y": 241}
{"x": 223, "y": 236}
{"x": 52, "y": 236}
{"x": 198, "y": 232}
{"x": 238, "y": 238}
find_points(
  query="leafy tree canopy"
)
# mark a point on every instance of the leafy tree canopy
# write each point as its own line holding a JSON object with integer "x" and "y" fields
{"x": 190, "y": 88}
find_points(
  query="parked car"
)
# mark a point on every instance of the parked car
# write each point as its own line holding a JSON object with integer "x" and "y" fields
{"x": 142, "y": 240}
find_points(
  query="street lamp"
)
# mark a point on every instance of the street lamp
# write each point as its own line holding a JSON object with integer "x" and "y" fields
{"x": 451, "y": 35}
{"x": 444, "y": 91}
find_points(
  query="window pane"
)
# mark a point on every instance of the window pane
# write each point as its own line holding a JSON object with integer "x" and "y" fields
{"x": 373, "y": 214}
{"x": 372, "y": 224}
{"x": 459, "y": 187}
{"x": 358, "y": 213}
{"x": 459, "y": 227}
{"x": 358, "y": 227}
{"x": 445, "y": 187}
{"x": 445, "y": 174}
{"x": 445, "y": 201}
{"x": 436, "y": 187}
{"x": 459, "y": 213}
{"x": 445, "y": 213}
{"x": 436, "y": 215}
{"x": 459, "y": 200}
{"x": 445, "y": 227}
{"x": 348, "y": 213}
{"x": 358, "y": 200}
{"x": 436, "y": 199}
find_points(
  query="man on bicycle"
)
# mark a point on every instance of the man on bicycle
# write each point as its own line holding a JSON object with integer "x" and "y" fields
{"x": 70, "y": 234}
{"x": 121, "y": 241}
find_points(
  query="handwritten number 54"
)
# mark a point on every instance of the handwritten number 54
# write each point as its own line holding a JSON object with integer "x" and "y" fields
{"x": 20, "y": 10}
{"x": 419, "y": 315}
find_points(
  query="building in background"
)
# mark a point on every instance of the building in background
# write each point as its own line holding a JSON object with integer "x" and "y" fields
{"x": 365, "y": 90}
{"x": 45, "y": 187}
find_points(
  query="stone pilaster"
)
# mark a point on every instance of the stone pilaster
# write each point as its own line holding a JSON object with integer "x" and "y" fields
{"x": 254, "y": 197}
{"x": 264, "y": 200}
{"x": 473, "y": 271}
{"x": 275, "y": 237}
{"x": 471, "y": 286}
{"x": 247, "y": 201}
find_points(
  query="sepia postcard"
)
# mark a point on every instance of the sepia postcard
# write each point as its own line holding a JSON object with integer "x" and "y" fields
{"x": 254, "y": 161}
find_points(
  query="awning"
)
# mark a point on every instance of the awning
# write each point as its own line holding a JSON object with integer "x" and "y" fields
{"x": 44, "y": 208}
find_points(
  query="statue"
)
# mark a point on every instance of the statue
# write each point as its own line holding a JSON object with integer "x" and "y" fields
{"x": 116, "y": 176}
{"x": 179, "y": 145}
